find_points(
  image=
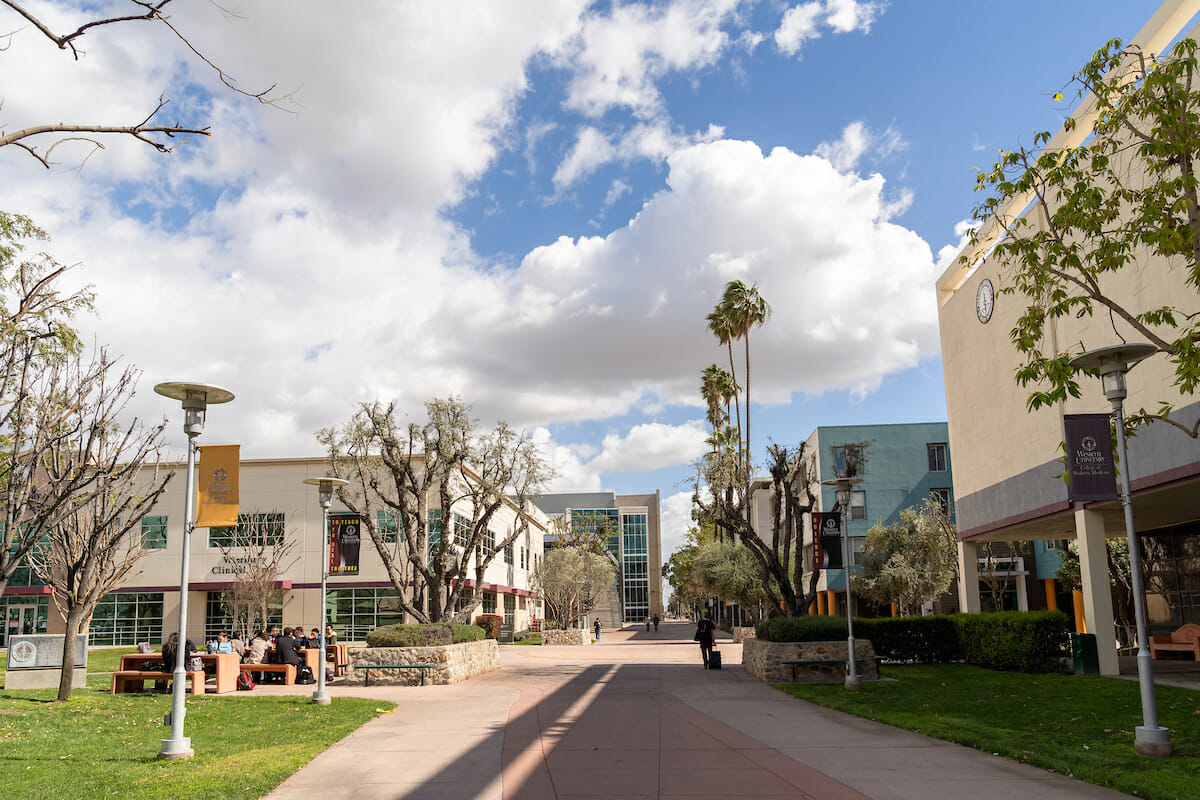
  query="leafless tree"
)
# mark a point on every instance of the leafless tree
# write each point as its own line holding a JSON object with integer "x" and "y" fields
{"x": 255, "y": 563}
{"x": 159, "y": 136}
{"x": 37, "y": 344}
{"x": 443, "y": 484}
{"x": 94, "y": 541}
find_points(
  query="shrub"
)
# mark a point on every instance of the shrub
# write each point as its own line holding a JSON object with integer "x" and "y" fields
{"x": 801, "y": 629}
{"x": 411, "y": 636}
{"x": 925, "y": 640}
{"x": 467, "y": 633}
{"x": 491, "y": 624}
{"x": 1015, "y": 641}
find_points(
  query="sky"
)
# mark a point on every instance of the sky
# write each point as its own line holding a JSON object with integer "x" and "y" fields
{"x": 533, "y": 204}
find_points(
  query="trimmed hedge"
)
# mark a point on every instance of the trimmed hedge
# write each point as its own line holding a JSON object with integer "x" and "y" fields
{"x": 1015, "y": 641}
{"x": 490, "y": 624}
{"x": 1012, "y": 641}
{"x": 801, "y": 629}
{"x": 434, "y": 635}
{"x": 925, "y": 640}
{"x": 467, "y": 633}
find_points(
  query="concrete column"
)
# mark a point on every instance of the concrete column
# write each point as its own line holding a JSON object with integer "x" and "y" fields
{"x": 1051, "y": 596}
{"x": 968, "y": 578}
{"x": 1097, "y": 593}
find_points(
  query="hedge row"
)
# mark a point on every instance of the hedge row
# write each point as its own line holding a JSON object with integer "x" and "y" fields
{"x": 490, "y": 624}
{"x": 1014, "y": 641}
{"x": 433, "y": 635}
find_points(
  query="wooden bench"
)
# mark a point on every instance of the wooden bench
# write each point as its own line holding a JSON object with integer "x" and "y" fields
{"x": 287, "y": 670}
{"x": 1185, "y": 639}
{"x": 829, "y": 662}
{"x": 369, "y": 667}
{"x": 133, "y": 680}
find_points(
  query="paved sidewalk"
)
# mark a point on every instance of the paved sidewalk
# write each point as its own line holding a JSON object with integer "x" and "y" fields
{"x": 636, "y": 716}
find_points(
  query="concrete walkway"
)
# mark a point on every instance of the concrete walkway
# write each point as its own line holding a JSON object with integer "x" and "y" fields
{"x": 635, "y": 716}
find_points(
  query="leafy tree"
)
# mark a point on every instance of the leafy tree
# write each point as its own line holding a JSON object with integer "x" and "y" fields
{"x": 687, "y": 590}
{"x": 1119, "y": 575}
{"x": 158, "y": 136}
{"x": 442, "y": 483}
{"x": 95, "y": 541}
{"x": 570, "y": 580}
{"x": 1096, "y": 209}
{"x": 910, "y": 562}
{"x": 731, "y": 571}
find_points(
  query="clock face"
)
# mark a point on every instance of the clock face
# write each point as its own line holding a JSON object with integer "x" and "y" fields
{"x": 985, "y": 300}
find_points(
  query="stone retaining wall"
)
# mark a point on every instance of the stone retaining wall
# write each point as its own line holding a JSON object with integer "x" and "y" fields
{"x": 764, "y": 660}
{"x": 572, "y": 636}
{"x": 454, "y": 663}
{"x": 742, "y": 634}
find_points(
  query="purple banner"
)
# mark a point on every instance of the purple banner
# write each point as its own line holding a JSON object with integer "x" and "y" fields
{"x": 1090, "y": 464}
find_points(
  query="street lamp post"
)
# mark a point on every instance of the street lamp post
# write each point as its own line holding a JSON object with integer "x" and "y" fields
{"x": 1112, "y": 363}
{"x": 842, "y": 485}
{"x": 325, "y": 488}
{"x": 195, "y": 398}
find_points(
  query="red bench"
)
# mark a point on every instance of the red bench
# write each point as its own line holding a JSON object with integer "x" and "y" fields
{"x": 1185, "y": 639}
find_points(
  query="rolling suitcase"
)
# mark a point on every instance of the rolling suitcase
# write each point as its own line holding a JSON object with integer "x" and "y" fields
{"x": 714, "y": 659}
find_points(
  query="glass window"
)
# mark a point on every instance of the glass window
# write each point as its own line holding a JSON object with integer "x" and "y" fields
{"x": 942, "y": 498}
{"x": 253, "y": 530}
{"x": 154, "y": 533}
{"x": 489, "y": 602}
{"x": 489, "y": 542}
{"x": 858, "y": 505}
{"x": 508, "y": 553}
{"x": 389, "y": 526}
{"x": 434, "y": 529}
{"x": 125, "y": 618}
{"x": 354, "y": 613}
{"x": 510, "y": 609}
{"x": 462, "y": 530}
{"x": 937, "y": 457}
{"x": 218, "y": 617}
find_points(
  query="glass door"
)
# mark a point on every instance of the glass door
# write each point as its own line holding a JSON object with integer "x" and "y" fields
{"x": 19, "y": 620}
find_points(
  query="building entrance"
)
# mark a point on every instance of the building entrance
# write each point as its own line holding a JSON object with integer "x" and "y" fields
{"x": 20, "y": 620}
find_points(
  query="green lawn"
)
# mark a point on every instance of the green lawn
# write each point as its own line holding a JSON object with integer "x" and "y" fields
{"x": 1082, "y": 727}
{"x": 100, "y": 745}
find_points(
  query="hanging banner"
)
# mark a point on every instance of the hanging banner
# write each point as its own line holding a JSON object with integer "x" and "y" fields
{"x": 217, "y": 487}
{"x": 345, "y": 536}
{"x": 828, "y": 539}
{"x": 1090, "y": 463}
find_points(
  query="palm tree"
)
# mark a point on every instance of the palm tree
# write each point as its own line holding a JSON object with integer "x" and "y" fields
{"x": 718, "y": 389}
{"x": 744, "y": 309}
{"x": 720, "y": 322}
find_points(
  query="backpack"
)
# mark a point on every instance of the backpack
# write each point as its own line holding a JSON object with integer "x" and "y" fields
{"x": 304, "y": 675}
{"x": 244, "y": 682}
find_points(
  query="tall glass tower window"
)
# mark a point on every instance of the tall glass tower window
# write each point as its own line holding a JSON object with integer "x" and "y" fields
{"x": 635, "y": 566}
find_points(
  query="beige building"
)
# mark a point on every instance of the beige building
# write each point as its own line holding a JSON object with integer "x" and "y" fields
{"x": 276, "y": 505}
{"x": 1007, "y": 468}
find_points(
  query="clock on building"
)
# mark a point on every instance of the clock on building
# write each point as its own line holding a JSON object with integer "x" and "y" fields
{"x": 985, "y": 300}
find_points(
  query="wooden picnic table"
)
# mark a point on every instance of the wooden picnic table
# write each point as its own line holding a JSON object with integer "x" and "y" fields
{"x": 225, "y": 674}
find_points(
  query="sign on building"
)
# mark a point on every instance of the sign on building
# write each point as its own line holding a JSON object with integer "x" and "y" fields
{"x": 1090, "y": 464}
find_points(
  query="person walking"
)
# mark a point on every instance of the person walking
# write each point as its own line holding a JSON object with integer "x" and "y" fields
{"x": 596, "y": 626}
{"x": 656, "y": 623}
{"x": 704, "y": 635}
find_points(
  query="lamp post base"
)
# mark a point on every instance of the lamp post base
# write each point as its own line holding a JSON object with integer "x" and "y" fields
{"x": 176, "y": 749}
{"x": 321, "y": 698}
{"x": 1153, "y": 742}
{"x": 853, "y": 682}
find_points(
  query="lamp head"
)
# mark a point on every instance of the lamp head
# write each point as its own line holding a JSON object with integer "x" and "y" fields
{"x": 325, "y": 487}
{"x": 195, "y": 398}
{"x": 1112, "y": 363}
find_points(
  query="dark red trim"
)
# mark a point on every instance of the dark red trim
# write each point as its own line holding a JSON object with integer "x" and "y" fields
{"x": 220, "y": 586}
{"x": 27, "y": 591}
{"x": 1163, "y": 480}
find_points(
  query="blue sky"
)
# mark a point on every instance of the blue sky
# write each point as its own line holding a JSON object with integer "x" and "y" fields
{"x": 534, "y": 204}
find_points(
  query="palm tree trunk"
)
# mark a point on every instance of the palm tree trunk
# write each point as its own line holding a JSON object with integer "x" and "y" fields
{"x": 736, "y": 406}
{"x": 747, "y": 408}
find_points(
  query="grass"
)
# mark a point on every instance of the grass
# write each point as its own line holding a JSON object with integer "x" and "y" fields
{"x": 100, "y": 745}
{"x": 533, "y": 638}
{"x": 1076, "y": 726}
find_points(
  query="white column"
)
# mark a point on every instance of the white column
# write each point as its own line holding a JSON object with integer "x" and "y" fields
{"x": 1097, "y": 591}
{"x": 968, "y": 577}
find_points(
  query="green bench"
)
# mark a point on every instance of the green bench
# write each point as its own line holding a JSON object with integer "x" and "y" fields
{"x": 369, "y": 667}
{"x": 812, "y": 662}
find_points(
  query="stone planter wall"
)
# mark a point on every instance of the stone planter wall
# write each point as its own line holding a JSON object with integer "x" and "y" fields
{"x": 742, "y": 634}
{"x": 764, "y": 660}
{"x": 573, "y": 636}
{"x": 455, "y": 663}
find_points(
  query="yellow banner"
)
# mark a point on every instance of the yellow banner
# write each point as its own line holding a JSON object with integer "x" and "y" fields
{"x": 217, "y": 487}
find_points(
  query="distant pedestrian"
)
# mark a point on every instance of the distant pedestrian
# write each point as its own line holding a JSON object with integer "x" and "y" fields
{"x": 656, "y": 623}
{"x": 596, "y": 626}
{"x": 647, "y": 624}
{"x": 704, "y": 635}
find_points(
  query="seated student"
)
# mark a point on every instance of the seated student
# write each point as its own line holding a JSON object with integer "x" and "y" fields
{"x": 314, "y": 639}
{"x": 169, "y": 651}
{"x": 257, "y": 654}
{"x": 286, "y": 648}
{"x": 239, "y": 645}
{"x": 330, "y": 636}
{"x": 223, "y": 643}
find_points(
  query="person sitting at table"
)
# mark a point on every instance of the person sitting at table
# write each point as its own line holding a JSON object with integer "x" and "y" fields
{"x": 223, "y": 643}
{"x": 330, "y": 636}
{"x": 286, "y": 649}
{"x": 239, "y": 645}
{"x": 169, "y": 651}
{"x": 314, "y": 639}
{"x": 257, "y": 654}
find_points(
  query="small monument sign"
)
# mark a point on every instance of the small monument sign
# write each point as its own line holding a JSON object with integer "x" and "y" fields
{"x": 35, "y": 661}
